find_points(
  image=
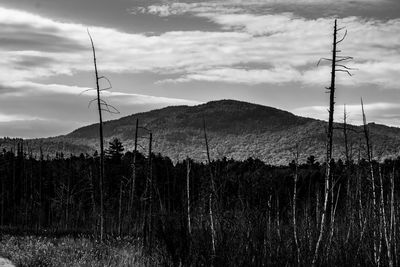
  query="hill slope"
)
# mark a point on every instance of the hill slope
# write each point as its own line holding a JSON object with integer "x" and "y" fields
{"x": 235, "y": 129}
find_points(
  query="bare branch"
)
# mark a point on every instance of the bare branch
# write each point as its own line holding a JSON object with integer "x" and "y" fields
{"x": 142, "y": 147}
{"x": 343, "y": 66}
{"x": 321, "y": 59}
{"x": 346, "y": 71}
{"x": 109, "y": 83}
{"x": 344, "y": 59}
{"x": 338, "y": 30}
{"x": 91, "y": 101}
{"x": 341, "y": 40}
{"x": 87, "y": 90}
{"x": 109, "y": 108}
{"x": 102, "y": 102}
{"x": 105, "y": 89}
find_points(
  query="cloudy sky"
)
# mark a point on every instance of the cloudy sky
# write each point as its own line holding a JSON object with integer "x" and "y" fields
{"x": 160, "y": 53}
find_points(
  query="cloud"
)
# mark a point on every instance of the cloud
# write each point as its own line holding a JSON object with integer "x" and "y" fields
{"x": 35, "y": 110}
{"x": 35, "y": 128}
{"x": 14, "y": 117}
{"x": 243, "y": 76}
{"x": 383, "y": 112}
{"x": 230, "y": 6}
{"x": 285, "y": 42}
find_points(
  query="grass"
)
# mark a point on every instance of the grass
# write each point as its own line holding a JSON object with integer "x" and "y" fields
{"x": 69, "y": 251}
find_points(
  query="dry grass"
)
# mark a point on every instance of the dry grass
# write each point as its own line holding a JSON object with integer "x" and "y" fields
{"x": 66, "y": 251}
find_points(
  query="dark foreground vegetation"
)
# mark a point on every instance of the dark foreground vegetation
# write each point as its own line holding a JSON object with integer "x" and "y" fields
{"x": 227, "y": 213}
{"x": 39, "y": 251}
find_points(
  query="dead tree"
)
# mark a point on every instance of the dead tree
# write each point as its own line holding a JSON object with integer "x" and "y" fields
{"x": 210, "y": 196}
{"x": 337, "y": 66}
{"x": 375, "y": 213}
{"x": 386, "y": 230}
{"x": 133, "y": 180}
{"x": 147, "y": 196}
{"x": 188, "y": 195}
{"x": 296, "y": 177}
{"x": 120, "y": 207}
{"x": 101, "y": 106}
{"x": 150, "y": 179}
{"x": 393, "y": 224}
{"x": 345, "y": 135}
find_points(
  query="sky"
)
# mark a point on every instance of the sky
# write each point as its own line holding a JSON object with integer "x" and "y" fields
{"x": 162, "y": 53}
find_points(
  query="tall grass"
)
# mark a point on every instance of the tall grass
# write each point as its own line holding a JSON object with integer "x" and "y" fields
{"x": 68, "y": 251}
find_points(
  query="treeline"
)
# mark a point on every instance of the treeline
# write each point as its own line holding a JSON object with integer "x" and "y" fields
{"x": 249, "y": 213}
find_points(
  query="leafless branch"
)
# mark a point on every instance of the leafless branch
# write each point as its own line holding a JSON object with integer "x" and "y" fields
{"x": 338, "y": 30}
{"x": 319, "y": 61}
{"x": 108, "y": 81}
{"x": 345, "y": 67}
{"x": 87, "y": 90}
{"x": 346, "y": 71}
{"x": 341, "y": 40}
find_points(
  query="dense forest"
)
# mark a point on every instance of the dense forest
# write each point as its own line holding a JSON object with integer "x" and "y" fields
{"x": 226, "y": 213}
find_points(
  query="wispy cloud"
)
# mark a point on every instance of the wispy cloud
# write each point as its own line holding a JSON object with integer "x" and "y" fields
{"x": 383, "y": 112}
{"x": 288, "y": 44}
{"x": 58, "y": 108}
{"x": 244, "y": 76}
{"x": 172, "y": 8}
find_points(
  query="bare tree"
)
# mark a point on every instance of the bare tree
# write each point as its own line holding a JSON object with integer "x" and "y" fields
{"x": 133, "y": 180}
{"x": 188, "y": 195}
{"x": 296, "y": 177}
{"x": 150, "y": 179}
{"x": 386, "y": 230}
{"x": 101, "y": 106}
{"x": 345, "y": 135}
{"x": 375, "y": 212}
{"x": 210, "y": 196}
{"x": 337, "y": 66}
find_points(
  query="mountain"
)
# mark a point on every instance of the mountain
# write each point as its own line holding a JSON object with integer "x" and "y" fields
{"x": 235, "y": 130}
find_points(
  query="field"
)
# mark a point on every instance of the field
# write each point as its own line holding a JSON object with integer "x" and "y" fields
{"x": 37, "y": 251}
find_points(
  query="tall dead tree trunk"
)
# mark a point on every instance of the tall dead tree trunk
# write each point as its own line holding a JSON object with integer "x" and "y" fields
{"x": 375, "y": 213}
{"x": 393, "y": 225}
{"x": 133, "y": 181}
{"x": 150, "y": 178}
{"x": 386, "y": 230}
{"x": 101, "y": 106}
{"x": 93, "y": 200}
{"x": 296, "y": 177}
{"x": 101, "y": 171}
{"x": 328, "y": 148}
{"x": 336, "y": 66}
{"x": 210, "y": 196}
{"x": 120, "y": 208}
{"x": 345, "y": 135}
{"x": 188, "y": 195}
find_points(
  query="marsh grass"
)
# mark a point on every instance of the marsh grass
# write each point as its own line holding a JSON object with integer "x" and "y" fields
{"x": 69, "y": 251}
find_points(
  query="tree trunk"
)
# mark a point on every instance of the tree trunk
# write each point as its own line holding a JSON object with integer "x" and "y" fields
{"x": 101, "y": 172}
{"x": 328, "y": 149}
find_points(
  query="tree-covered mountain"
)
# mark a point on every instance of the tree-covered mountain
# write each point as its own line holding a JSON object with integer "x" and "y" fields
{"x": 235, "y": 130}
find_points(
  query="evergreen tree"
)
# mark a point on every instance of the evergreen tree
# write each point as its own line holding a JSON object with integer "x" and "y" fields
{"x": 115, "y": 150}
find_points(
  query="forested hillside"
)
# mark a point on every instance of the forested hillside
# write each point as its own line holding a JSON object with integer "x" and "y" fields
{"x": 236, "y": 129}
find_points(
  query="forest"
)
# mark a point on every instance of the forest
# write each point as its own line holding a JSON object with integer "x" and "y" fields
{"x": 222, "y": 213}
